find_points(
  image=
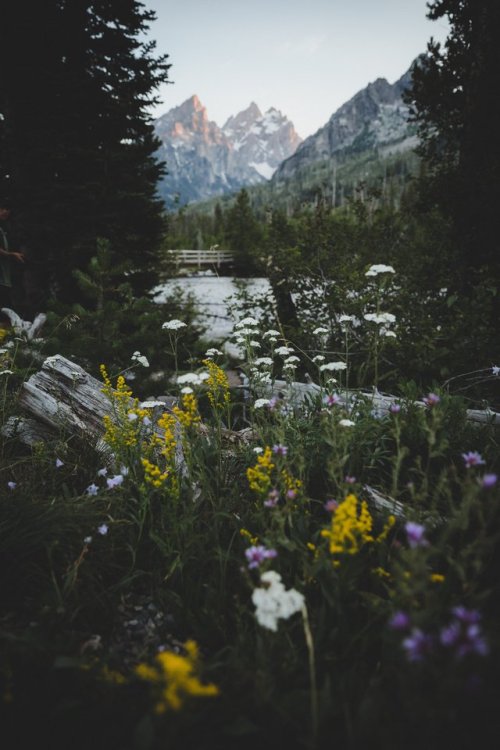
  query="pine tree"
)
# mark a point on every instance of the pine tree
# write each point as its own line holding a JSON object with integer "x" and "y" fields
{"x": 244, "y": 234}
{"x": 79, "y": 140}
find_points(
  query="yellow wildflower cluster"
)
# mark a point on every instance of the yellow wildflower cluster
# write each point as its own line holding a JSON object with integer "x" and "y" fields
{"x": 166, "y": 445}
{"x": 351, "y": 528}
{"x": 122, "y": 428}
{"x": 247, "y": 535}
{"x": 188, "y": 414}
{"x": 174, "y": 678}
{"x": 291, "y": 484}
{"x": 152, "y": 473}
{"x": 217, "y": 384}
{"x": 259, "y": 476}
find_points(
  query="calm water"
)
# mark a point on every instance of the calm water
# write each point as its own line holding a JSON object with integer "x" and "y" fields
{"x": 212, "y": 296}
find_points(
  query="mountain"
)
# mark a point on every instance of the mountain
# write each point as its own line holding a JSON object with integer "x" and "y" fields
{"x": 204, "y": 160}
{"x": 374, "y": 120}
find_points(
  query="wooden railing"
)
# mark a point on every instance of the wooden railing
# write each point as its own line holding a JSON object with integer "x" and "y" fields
{"x": 212, "y": 257}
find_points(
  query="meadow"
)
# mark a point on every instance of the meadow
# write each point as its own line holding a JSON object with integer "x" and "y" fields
{"x": 260, "y": 565}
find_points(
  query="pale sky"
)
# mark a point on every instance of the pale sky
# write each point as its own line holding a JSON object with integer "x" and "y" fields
{"x": 303, "y": 57}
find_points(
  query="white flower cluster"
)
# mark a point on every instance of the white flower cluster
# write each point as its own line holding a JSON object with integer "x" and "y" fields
{"x": 319, "y": 331}
{"x": 213, "y": 352}
{"x": 283, "y": 351}
{"x": 261, "y": 402}
{"x": 140, "y": 359}
{"x": 379, "y": 268}
{"x": 331, "y": 366}
{"x": 382, "y": 318}
{"x": 192, "y": 378}
{"x": 263, "y": 361}
{"x": 273, "y": 602}
{"x": 173, "y": 325}
{"x": 246, "y": 322}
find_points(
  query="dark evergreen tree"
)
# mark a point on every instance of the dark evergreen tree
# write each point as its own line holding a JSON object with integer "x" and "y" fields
{"x": 244, "y": 234}
{"x": 76, "y": 80}
{"x": 454, "y": 102}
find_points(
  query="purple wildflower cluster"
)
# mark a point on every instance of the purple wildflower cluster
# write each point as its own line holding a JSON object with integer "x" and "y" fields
{"x": 272, "y": 499}
{"x": 279, "y": 449}
{"x": 431, "y": 400}
{"x": 257, "y": 554}
{"x": 461, "y": 637}
{"x": 473, "y": 458}
{"x": 415, "y": 534}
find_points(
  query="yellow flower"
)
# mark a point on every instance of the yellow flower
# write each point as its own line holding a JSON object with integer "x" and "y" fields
{"x": 351, "y": 527}
{"x": 259, "y": 476}
{"x": 174, "y": 678}
{"x": 188, "y": 414}
{"x": 437, "y": 578}
{"x": 217, "y": 384}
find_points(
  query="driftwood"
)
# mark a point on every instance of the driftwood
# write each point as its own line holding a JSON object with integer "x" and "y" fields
{"x": 296, "y": 394}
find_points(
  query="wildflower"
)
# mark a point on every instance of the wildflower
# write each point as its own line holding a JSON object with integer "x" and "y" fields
{"x": 346, "y": 319}
{"x": 489, "y": 480}
{"x": 273, "y": 602}
{"x": 271, "y": 333}
{"x": 132, "y": 416}
{"x": 318, "y": 358}
{"x": 103, "y": 529}
{"x": 319, "y": 331}
{"x": 351, "y": 528}
{"x": 255, "y": 344}
{"x": 189, "y": 378}
{"x": 388, "y": 334}
{"x": 217, "y": 384}
{"x": 272, "y": 499}
{"x": 399, "y": 621}
{"x": 464, "y": 634}
{"x": 291, "y": 360}
{"x": 415, "y": 535}
{"x": 437, "y": 578}
{"x": 256, "y": 555}
{"x": 174, "y": 678}
{"x": 258, "y": 449}
{"x": 349, "y": 480}
{"x": 59, "y": 463}
{"x": 381, "y": 318}
{"x": 346, "y": 423}
{"x": 173, "y": 325}
{"x": 259, "y": 476}
{"x": 495, "y": 370}
{"x": 140, "y": 359}
{"x": 87, "y": 540}
{"x": 151, "y": 404}
{"x": 102, "y": 472}
{"x": 379, "y": 268}
{"x": 246, "y": 322}
{"x": 332, "y": 399}
{"x": 283, "y": 351}
{"x": 124, "y": 470}
{"x": 432, "y": 399}
{"x": 267, "y": 361}
{"x": 472, "y": 458}
{"x": 417, "y": 645}
{"x": 92, "y": 489}
{"x": 331, "y": 505}
{"x": 291, "y": 494}
{"x": 12, "y": 485}
{"x": 280, "y": 450}
{"x": 395, "y": 408}
{"x": 114, "y": 481}
{"x": 213, "y": 352}
{"x": 331, "y": 366}
{"x": 260, "y": 402}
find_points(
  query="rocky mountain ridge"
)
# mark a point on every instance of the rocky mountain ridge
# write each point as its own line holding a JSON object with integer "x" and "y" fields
{"x": 204, "y": 160}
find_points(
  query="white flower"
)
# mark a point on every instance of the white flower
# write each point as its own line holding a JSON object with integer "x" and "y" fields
{"x": 192, "y": 378}
{"x": 273, "y": 602}
{"x": 379, "y": 268}
{"x": 102, "y": 472}
{"x": 244, "y": 332}
{"x": 132, "y": 417}
{"x": 140, "y": 358}
{"x": 283, "y": 351}
{"x": 292, "y": 359}
{"x": 333, "y": 366}
{"x": 260, "y": 402}
{"x": 258, "y": 449}
{"x": 246, "y": 322}
{"x": 187, "y": 389}
{"x": 380, "y": 318}
{"x": 92, "y": 489}
{"x": 318, "y": 358}
{"x": 388, "y": 334}
{"x": 495, "y": 370}
{"x": 346, "y": 318}
{"x": 263, "y": 361}
{"x": 151, "y": 404}
{"x": 6, "y": 372}
{"x": 103, "y": 529}
{"x": 319, "y": 331}
{"x": 88, "y": 539}
{"x": 271, "y": 332}
{"x": 212, "y": 352}
{"x": 346, "y": 423}
{"x": 173, "y": 325}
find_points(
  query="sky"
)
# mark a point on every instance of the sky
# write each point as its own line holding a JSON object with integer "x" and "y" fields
{"x": 303, "y": 57}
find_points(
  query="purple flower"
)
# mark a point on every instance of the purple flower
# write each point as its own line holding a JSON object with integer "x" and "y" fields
{"x": 395, "y": 408}
{"x": 12, "y": 485}
{"x": 92, "y": 489}
{"x": 280, "y": 450}
{"x": 495, "y": 370}
{"x": 472, "y": 458}
{"x": 114, "y": 481}
{"x": 332, "y": 399}
{"x": 272, "y": 499}
{"x": 59, "y": 463}
{"x": 415, "y": 535}
{"x": 431, "y": 400}
{"x": 400, "y": 621}
{"x": 273, "y": 402}
{"x": 464, "y": 638}
{"x": 489, "y": 480}
{"x": 467, "y": 616}
{"x": 450, "y": 635}
{"x": 102, "y": 472}
{"x": 331, "y": 505}
{"x": 257, "y": 554}
{"x": 291, "y": 494}
{"x": 103, "y": 529}
{"x": 349, "y": 480}
{"x": 417, "y": 645}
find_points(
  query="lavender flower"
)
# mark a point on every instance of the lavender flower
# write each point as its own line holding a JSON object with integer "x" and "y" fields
{"x": 280, "y": 450}
{"x": 472, "y": 458}
{"x": 59, "y": 463}
{"x": 395, "y": 408}
{"x": 415, "y": 535}
{"x": 257, "y": 554}
{"x": 489, "y": 480}
{"x": 103, "y": 529}
{"x": 495, "y": 370}
{"x": 332, "y": 399}
{"x": 331, "y": 505}
{"x": 92, "y": 489}
{"x": 400, "y": 621}
{"x": 417, "y": 645}
{"x": 350, "y": 480}
{"x": 114, "y": 481}
{"x": 12, "y": 485}
{"x": 272, "y": 499}
{"x": 432, "y": 399}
